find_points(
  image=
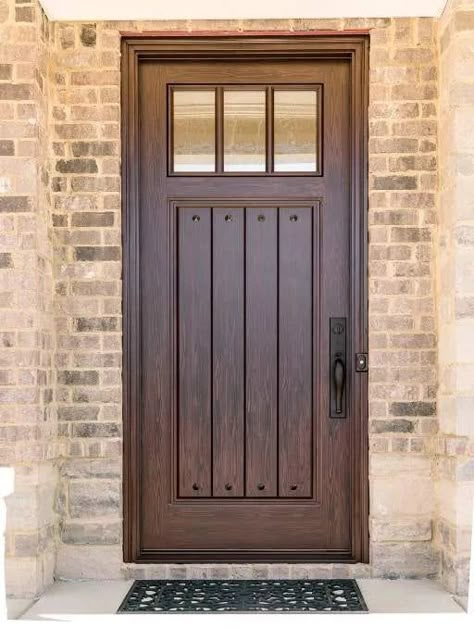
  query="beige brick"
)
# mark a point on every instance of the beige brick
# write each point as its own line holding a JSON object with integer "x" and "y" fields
{"x": 84, "y": 184}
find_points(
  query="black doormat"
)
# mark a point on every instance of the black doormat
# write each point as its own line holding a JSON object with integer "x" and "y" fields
{"x": 239, "y": 596}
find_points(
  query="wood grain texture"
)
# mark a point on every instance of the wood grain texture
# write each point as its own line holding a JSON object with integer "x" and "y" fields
{"x": 228, "y": 352}
{"x": 195, "y": 352}
{"x": 261, "y": 351}
{"x": 295, "y": 334}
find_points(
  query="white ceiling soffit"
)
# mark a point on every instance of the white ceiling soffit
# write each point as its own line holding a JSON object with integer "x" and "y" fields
{"x": 236, "y": 9}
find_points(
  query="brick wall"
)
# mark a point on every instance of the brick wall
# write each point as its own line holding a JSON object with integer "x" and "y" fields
{"x": 27, "y": 415}
{"x": 85, "y": 191}
{"x": 455, "y": 452}
{"x": 60, "y": 296}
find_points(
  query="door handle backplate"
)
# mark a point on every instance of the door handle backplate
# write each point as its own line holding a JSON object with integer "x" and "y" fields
{"x": 337, "y": 367}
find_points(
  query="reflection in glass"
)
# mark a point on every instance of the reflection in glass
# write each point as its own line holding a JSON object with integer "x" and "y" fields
{"x": 194, "y": 144}
{"x": 295, "y": 130}
{"x": 244, "y": 131}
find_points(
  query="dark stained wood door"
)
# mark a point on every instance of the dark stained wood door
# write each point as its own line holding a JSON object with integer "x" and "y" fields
{"x": 247, "y": 408}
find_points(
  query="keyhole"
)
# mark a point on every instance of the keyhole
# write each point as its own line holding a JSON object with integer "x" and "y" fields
{"x": 293, "y": 218}
{"x": 229, "y": 218}
{"x": 261, "y": 218}
{"x": 228, "y": 487}
{"x": 260, "y": 487}
{"x": 195, "y": 486}
{"x": 196, "y": 218}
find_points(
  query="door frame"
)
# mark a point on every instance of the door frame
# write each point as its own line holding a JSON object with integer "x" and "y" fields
{"x": 231, "y": 46}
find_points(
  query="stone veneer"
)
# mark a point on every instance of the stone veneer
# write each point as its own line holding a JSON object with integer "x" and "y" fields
{"x": 27, "y": 415}
{"x": 455, "y": 450}
{"x": 80, "y": 149}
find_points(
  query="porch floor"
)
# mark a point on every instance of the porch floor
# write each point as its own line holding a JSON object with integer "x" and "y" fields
{"x": 64, "y": 599}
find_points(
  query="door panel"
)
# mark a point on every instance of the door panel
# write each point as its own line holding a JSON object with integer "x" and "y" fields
{"x": 261, "y": 352}
{"x": 295, "y": 334}
{"x": 194, "y": 352}
{"x": 228, "y": 416}
{"x": 239, "y": 276}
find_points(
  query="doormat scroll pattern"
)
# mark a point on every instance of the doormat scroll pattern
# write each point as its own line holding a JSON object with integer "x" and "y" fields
{"x": 240, "y": 596}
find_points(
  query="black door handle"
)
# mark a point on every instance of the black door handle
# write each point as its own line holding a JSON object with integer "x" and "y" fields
{"x": 337, "y": 368}
{"x": 339, "y": 382}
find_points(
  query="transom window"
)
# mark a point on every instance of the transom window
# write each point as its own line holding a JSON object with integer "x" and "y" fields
{"x": 257, "y": 130}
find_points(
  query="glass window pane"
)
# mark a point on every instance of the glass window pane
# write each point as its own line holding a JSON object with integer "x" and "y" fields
{"x": 194, "y": 143}
{"x": 295, "y": 130}
{"x": 244, "y": 131}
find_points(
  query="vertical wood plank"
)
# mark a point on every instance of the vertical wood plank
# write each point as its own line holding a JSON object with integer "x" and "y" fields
{"x": 261, "y": 352}
{"x": 295, "y": 352}
{"x": 194, "y": 349}
{"x": 228, "y": 352}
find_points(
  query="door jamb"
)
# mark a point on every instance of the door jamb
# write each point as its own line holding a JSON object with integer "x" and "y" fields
{"x": 172, "y": 47}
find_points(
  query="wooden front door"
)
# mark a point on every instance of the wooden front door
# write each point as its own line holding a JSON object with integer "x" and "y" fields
{"x": 245, "y": 407}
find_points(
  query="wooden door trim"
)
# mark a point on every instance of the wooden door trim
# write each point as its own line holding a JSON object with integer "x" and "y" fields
{"x": 140, "y": 48}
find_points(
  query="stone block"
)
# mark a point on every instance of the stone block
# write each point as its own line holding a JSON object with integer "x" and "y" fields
{"x": 101, "y": 468}
{"x": 76, "y": 131}
{"x": 15, "y": 91}
{"x": 104, "y": 324}
{"x": 94, "y": 498}
{"x": 77, "y": 413}
{"x": 15, "y": 204}
{"x": 24, "y": 14}
{"x": 395, "y": 465}
{"x": 390, "y": 499}
{"x": 400, "y": 530}
{"x": 395, "y": 183}
{"x": 91, "y": 533}
{"x": 413, "y": 408}
{"x": 97, "y": 253}
{"x": 409, "y": 560}
{"x": 88, "y": 35}
{"x": 96, "y": 430}
{"x": 77, "y": 166}
{"x": 396, "y": 425}
{"x": 94, "y": 149}
{"x": 72, "y": 378}
{"x": 93, "y": 219}
{"x": 104, "y": 562}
